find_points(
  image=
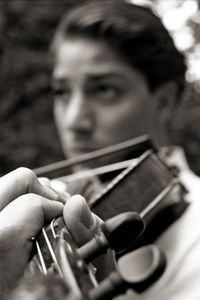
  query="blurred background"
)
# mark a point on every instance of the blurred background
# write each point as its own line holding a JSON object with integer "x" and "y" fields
{"x": 27, "y": 133}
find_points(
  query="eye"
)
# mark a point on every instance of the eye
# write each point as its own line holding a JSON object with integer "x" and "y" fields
{"x": 61, "y": 92}
{"x": 106, "y": 92}
{"x": 58, "y": 92}
{"x": 105, "y": 88}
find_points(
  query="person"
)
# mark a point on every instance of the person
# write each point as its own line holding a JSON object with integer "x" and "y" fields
{"x": 117, "y": 75}
{"x": 128, "y": 82}
{"x": 26, "y": 205}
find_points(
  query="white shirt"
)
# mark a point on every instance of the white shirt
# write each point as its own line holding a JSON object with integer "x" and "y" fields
{"x": 181, "y": 245}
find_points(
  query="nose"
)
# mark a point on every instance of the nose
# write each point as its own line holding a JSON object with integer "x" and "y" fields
{"x": 78, "y": 113}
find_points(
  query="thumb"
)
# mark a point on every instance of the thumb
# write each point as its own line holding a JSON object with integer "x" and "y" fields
{"x": 80, "y": 221}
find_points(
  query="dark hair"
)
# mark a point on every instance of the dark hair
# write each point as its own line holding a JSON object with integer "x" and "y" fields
{"x": 132, "y": 31}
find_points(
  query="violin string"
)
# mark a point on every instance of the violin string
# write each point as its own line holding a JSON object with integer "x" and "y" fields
{"x": 68, "y": 274}
{"x": 97, "y": 171}
{"x": 158, "y": 199}
{"x": 53, "y": 256}
{"x": 52, "y": 228}
{"x": 39, "y": 265}
{"x": 42, "y": 262}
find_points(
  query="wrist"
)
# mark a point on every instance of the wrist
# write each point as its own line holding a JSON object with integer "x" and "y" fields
{"x": 14, "y": 256}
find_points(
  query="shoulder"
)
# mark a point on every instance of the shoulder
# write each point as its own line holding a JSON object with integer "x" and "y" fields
{"x": 174, "y": 157}
{"x": 181, "y": 241}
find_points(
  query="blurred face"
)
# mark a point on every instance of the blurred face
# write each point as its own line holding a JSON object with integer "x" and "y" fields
{"x": 99, "y": 99}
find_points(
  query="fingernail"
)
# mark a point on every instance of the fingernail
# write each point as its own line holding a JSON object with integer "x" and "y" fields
{"x": 87, "y": 218}
{"x": 51, "y": 194}
{"x": 64, "y": 196}
{"x": 79, "y": 219}
{"x": 80, "y": 211}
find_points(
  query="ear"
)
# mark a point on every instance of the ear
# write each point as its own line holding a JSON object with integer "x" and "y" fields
{"x": 166, "y": 101}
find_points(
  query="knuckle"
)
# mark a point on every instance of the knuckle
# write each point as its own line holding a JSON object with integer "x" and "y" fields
{"x": 27, "y": 173}
{"x": 28, "y": 177}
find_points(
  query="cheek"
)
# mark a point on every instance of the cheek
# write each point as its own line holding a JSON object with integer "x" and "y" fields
{"x": 124, "y": 122}
{"x": 114, "y": 125}
{"x": 58, "y": 115}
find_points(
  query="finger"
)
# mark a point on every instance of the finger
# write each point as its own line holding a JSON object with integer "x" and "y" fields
{"x": 28, "y": 213}
{"x": 51, "y": 210}
{"x": 80, "y": 221}
{"x": 57, "y": 186}
{"x": 45, "y": 181}
{"x": 83, "y": 225}
{"x": 19, "y": 182}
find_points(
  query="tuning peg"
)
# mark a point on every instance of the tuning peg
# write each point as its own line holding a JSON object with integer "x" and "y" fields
{"x": 137, "y": 270}
{"x": 116, "y": 233}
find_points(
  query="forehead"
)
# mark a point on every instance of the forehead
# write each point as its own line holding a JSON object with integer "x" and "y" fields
{"x": 81, "y": 56}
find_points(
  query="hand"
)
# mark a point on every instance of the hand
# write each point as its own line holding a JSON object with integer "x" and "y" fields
{"x": 23, "y": 181}
{"x": 25, "y": 206}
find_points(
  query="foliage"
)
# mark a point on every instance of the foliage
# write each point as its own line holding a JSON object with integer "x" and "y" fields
{"x": 27, "y": 135}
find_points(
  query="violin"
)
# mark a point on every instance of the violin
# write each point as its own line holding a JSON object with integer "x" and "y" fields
{"x": 142, "y": 182}
{"x": 144, "y": 185}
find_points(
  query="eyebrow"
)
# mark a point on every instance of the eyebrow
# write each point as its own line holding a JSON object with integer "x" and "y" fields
{"x": 91, "y": 77}
{"x": 99, "y": 77}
